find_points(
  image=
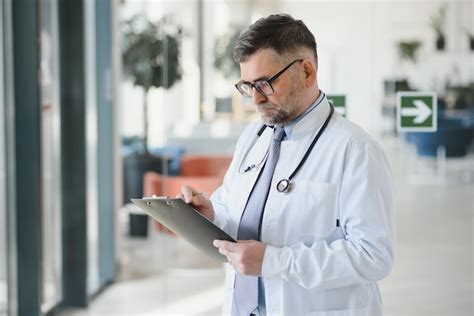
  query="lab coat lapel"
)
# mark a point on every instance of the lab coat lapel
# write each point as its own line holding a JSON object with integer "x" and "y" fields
{"x": 246, "y": 181}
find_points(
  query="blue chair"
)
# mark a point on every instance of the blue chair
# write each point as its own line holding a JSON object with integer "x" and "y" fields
{"x": 456, "y": 134}
{"x": 174, "y": 152}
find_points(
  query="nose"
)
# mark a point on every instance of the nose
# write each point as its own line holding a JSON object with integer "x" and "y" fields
{"x": 257, "y": 97}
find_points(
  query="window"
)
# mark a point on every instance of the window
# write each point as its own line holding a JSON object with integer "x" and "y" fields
{"x": 7, "y": 233}
{"x": 50, "y": 160}
{"x": 3, "y": 206}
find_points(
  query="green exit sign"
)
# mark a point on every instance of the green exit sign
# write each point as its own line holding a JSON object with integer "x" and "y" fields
{"x": 339, "y": 103}
{"x": 416, "y": 111}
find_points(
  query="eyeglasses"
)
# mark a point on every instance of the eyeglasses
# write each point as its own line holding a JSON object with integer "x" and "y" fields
{"x": 263, "y": 86}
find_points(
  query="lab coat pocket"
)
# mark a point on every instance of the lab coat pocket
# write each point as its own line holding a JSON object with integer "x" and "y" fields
{"x": 312, "y": 209}
{"x": 310, "y": 239}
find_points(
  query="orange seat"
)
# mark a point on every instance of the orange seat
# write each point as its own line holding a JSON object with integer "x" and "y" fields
{"x": 204, "y": 173}
{"x": 204, "y": 165}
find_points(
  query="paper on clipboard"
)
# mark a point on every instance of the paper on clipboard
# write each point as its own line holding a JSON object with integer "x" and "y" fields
{"x": 186, "y": 222}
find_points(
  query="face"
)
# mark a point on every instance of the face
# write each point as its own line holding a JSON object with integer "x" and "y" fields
{"x": 285, "y": 104}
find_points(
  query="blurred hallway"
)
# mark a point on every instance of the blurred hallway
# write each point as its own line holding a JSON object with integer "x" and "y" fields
{"x": 96, "y": 94}
{"x": 432, "y": 274}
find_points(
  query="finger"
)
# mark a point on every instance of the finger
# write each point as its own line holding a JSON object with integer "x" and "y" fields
{"x": 223, "y": 252}
{"x": 170, "y": 232}
{"x": 188, "y": 193}
{"x": 199, "y": 198}
{"x": 233, "y": 257}
{"x": 180, "y": 196}
{"x": 161, "y": 228}
{"x": 229, "y": 247}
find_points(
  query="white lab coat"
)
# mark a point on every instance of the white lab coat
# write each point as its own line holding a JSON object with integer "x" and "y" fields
{"x": 310, "y": 266}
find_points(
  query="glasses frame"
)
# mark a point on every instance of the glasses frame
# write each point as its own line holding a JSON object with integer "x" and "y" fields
{"x": 269, "y": 81}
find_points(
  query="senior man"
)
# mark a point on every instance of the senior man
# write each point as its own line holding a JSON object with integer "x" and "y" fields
{"x": 309, "y": 195}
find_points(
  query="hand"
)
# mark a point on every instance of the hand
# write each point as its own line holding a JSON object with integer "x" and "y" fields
{"x": 198, "y": 200}
{"x": 246, "y": 256}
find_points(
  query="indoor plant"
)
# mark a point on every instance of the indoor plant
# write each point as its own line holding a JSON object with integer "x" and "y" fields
{"x": 224, "y": 52}
{"x": 407, "y": 50}
{"x": 150, "y": 58}
{"x": 225, "y": 64}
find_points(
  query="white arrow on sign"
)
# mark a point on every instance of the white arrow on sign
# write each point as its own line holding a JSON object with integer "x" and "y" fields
{"x": 421, "y": 111}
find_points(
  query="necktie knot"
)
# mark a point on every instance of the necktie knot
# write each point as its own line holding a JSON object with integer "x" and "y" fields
{"x": 279, "y": 133}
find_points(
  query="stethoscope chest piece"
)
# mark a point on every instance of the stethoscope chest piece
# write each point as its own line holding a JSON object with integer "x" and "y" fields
{"x": 283, "y": 186}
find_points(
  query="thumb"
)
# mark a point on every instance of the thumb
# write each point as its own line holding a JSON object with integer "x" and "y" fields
{"x": 199, "y": 199}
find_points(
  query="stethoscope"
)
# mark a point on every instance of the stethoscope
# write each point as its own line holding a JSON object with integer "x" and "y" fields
{"x": 283, "y": 186}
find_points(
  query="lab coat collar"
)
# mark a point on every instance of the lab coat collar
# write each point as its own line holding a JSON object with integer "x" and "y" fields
{"x": 312, "y": 121}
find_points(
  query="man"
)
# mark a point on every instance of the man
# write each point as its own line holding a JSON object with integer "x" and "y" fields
{"x": 310, "y": 201}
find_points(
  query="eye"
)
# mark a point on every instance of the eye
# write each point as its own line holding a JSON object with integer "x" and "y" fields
{"x": 261, "y": 83}
{"x": 247, "y": 88}
{"x": 264, "y": 87}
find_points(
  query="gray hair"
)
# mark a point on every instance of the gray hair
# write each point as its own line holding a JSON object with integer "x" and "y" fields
{"x": 279, "y": 32}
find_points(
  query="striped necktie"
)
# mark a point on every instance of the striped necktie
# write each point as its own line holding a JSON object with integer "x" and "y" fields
{"x": 246, "y": 293}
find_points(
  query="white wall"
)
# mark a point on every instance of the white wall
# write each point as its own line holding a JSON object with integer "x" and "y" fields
{"x": 357, "y": 48}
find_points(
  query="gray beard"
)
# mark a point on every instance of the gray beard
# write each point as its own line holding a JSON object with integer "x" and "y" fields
{"x": 280, "y": 118}
{"x": 289, "y": 111}
{"x": 284, "y": 115}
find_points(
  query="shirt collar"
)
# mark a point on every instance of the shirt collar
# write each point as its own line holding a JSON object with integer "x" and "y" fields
{"x": 309, "y": 120}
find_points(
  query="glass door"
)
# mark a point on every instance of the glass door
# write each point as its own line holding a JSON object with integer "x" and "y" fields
{"x": 51, "y": 268}
{"x": 3, "y": 206}
{"x": 91, "y": 148}
{"x": 8, "y": 256}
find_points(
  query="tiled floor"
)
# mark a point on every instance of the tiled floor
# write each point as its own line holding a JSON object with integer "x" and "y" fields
{"x": 161, "y": 275}
{"x": 433, "y": 270}
{"x": 3, "y": 296}
{"x": 432, "y": 275}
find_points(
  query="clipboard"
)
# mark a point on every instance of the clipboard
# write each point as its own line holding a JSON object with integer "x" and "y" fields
{"x": 186, "y": 222}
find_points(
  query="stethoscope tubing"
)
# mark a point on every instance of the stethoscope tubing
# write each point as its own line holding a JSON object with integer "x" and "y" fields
{"x": 283, "y": 186}
{"x": 250, "y": 167}
{"x": 313, "y": 143}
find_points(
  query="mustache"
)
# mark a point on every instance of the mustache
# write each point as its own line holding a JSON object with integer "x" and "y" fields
{"x": 266, "y": 106}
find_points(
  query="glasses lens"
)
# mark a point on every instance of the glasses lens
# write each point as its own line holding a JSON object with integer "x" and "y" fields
{"x": 245, "y": 89}
{"x": 264, "y": 87}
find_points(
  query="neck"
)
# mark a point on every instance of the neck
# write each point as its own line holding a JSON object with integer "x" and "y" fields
{"x": 312, "y": 97}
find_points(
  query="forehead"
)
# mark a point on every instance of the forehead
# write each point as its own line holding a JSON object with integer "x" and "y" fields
{"x": 262, "y": 64}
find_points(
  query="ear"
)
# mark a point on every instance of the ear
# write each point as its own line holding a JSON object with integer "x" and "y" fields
{"x": 309, "y": 71}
